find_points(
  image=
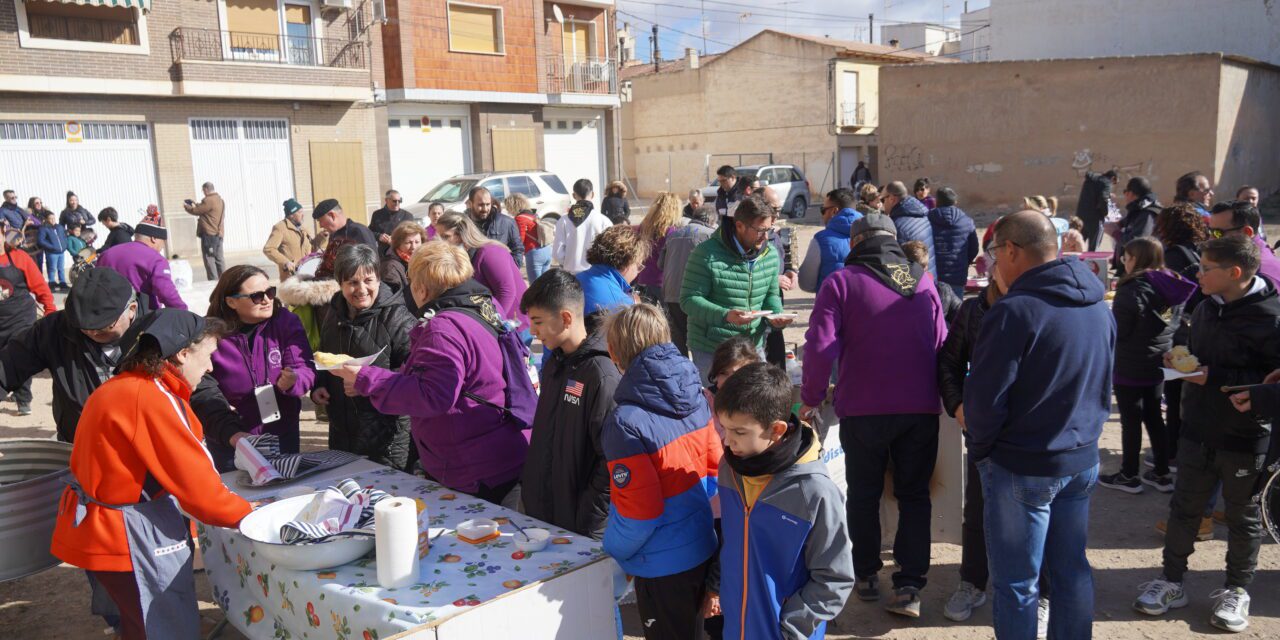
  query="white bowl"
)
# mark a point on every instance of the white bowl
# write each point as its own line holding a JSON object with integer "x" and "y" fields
{"x": 536, "y": 539}
{"x": 262, "y": 528}
{"x": 477, "y": 528}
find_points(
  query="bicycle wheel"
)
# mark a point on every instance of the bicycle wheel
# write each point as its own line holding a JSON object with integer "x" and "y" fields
{"x": 1269, "y": 499}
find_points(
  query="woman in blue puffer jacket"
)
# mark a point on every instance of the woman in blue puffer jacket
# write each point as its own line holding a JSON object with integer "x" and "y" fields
{"x": 955, "y": 241}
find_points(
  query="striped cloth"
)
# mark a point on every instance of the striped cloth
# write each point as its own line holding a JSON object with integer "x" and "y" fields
{"x": 344, "y": 511}
{"x": 260, "y": 457}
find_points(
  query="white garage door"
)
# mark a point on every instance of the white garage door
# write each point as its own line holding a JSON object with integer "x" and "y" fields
{"x": 248, "y": 162}
{"x": 424, "y": 156}
{"x": 574, "y": 149}
{"x": 107, "y": 164}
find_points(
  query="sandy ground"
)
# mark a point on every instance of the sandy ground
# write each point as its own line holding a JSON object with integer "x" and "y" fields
{"x": 1124, "y": 550}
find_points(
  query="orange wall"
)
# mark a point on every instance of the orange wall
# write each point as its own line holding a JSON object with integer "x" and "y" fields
{"x": 421, "y": 32}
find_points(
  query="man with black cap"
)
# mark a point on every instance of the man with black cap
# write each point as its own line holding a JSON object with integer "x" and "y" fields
{"x": 342, "y": 230}
{"x": 879, "y": 322}
{"x": 291, "y": 240}
{"x": 142, "y": 263}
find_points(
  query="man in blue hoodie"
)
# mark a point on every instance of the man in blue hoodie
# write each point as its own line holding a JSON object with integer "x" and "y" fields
{"x": 1037, "y": 396}
{"x": 911, "y": 218}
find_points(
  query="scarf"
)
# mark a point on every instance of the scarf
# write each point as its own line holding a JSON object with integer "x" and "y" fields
{"x": 579, "y": 211}
{"x": 728, "y": 230}
{"x": 404, "y": 255}
{"x": 470, "y": 296}
{"x": 884, "y": 257}
{"x": 782, "y": 455}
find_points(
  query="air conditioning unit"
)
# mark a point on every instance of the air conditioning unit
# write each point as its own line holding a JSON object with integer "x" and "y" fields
{"x": 336, "y": 4}
{"x": 597, "y": 71}
{"x": 380, "y": 11}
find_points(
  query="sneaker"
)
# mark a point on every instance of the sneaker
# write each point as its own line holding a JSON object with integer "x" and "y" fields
{"x": 962, "y": 603}
{"x": 905, "y": 602}
{"x": 1231, "y": 612}
{"x": 868, "y": 588}
{"x": 1163, "y": 484}
{"x": 1205, "y": 532}
{"x": 1159, "y": 596}
{"x": 24, "y": 409}
{"x": 1120, "y": 482}
{"x": 1042, "y": 619}
{"x": 1149, "y": 461}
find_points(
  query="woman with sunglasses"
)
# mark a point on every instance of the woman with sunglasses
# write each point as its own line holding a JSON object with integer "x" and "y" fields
{"x": 263, "y": 366}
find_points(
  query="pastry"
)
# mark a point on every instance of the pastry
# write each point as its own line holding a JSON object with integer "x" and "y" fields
{"x": 330, "y": 359}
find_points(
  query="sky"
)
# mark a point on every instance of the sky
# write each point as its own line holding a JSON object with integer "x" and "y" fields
{"x": 678, "y": 20}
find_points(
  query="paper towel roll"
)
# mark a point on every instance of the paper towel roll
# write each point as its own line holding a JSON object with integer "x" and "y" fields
{"x": 396, "y": 542}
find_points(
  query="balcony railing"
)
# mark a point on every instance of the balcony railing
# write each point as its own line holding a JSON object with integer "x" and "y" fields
{"x": 597, "y": 76}
{"x": 212, "y": 45}
{"x": 853, "y": 114}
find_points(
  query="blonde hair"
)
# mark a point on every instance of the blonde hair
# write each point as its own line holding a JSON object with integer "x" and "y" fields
{"x": 1041, "y": 203}
{"x": 404, "y": 231}
{"x": 515, "y": 203}
{"x": 438, "y": 266}
{"x": 467, "y": 231}
{"x": 663, "y": 214}
{"x": 1073, "y": 242}
{"x": 616, "y": 188}
{"x": 869, "y": 193}
{"x": 619, "y": 246}
{"x": 633, "y": 329}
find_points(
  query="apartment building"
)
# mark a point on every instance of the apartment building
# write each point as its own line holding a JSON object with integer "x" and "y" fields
{"x": 137, "y": 102}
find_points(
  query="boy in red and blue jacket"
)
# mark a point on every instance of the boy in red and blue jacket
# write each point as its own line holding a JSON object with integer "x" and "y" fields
{"x": 786, "y": 566}
{"x": 663, "y": 453}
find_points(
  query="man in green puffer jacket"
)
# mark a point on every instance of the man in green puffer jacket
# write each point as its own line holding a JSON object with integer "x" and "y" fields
{"x": 731, "y": 275}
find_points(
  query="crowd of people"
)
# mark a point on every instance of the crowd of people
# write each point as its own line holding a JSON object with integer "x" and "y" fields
{"x": 663, "y": 421}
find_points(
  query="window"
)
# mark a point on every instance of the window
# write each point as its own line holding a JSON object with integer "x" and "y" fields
{"x": 32, "y": 131}
{"x": 435, "y": 124}
{"x": 495, "y": 188}
{"x": 77, "y": 27}
{"x": 523, "y": 184}
{"x": 554, "y": 182}
{"x": 255, "y": 29}
{"x": 393, "y": 123}
{"x": 114, "y": 131}
{"x": 266, "y": 130}
{"x": 475, "y": 28}
{"x": 214, "y": 130}
{"x": 796, "y": 176}
{"x": 456, "y": 124}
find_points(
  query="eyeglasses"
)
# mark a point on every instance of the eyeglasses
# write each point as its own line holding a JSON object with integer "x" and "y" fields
{"x": 258, "y": 297}
{"x": 760, "y": 231}
{"x": 1203, "y": 269}
{"x": 1219, "y": 233}
{"x": 991, "y": 250}
{"x": 396, "y": 201}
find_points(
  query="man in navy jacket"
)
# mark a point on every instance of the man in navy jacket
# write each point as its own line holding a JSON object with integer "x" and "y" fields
{"x": 1038, "y": 393}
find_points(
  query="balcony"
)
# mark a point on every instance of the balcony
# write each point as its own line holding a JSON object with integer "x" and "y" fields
{"x": 590, "y": 76}
{"x": 211, "y": 45}
{"x": 853, "y": 115}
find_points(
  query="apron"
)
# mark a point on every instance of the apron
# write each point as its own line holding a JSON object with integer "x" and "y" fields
{"x": 160, "y": 548}
{"x": 17, "y": 307}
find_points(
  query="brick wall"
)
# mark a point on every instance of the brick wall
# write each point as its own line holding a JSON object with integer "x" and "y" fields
{"x": 419, "y": 38}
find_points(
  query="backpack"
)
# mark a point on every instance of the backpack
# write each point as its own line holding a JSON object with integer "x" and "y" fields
{"x": 546, "y": 229}
{"x": 520, "y": 398}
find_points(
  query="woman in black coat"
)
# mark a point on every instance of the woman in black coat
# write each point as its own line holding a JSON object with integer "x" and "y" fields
{"x": 1180, "y": 229}
{"x": 615, "y": 206}
{"x": 364, "y": 317}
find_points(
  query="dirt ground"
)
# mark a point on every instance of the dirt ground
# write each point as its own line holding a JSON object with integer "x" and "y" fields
{"x": 1124, "y": 550}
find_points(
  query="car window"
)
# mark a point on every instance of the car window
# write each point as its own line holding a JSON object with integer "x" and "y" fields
{"x": 494, "y": 185}
{"x": 554, "y": 182}
{"x": 522, "y": 184}
{"x": 449, "y": 191}
{"x": 796, "y": 176}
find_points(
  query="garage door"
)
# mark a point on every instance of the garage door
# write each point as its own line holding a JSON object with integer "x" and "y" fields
{"x": 574, "y": 149}
{"x": 424, "y": 156}
{"x": 107, "y": 164}
{"x": 248, "y": 162}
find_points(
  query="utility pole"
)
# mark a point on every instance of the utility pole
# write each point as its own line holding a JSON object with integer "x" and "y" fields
{"x": 871, "y": 28}
{"x": 702, "y": 24}
{"x": 741, "y": 18}
{"x": 654, "y": 48}
{"x": 785, "y": 14}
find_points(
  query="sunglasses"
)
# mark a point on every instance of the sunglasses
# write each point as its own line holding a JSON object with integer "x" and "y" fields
{"x": 1219, "y": 233}
{"x": 258, "y": 297}
{"x": 397, "y": 201}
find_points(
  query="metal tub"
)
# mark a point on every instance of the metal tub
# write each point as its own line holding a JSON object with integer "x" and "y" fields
{"x": 31, "y": 480}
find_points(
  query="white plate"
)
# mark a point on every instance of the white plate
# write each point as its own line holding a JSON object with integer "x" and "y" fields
{"x": 1174, "y": 374}
{"x": 355, "y": 362}
{"x": 776, "y": 316}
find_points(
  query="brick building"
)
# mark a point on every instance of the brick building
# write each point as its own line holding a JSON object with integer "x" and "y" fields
{"x": 495, "y": 85}
{"x": 134, "y": 102}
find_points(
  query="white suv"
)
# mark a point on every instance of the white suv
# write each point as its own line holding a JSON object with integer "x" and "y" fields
{"x": 786, "y": 179}
{"x": 546, "y": 192}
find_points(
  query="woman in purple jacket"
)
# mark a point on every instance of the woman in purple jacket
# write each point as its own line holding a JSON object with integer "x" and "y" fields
{"x": 501, "y": 277}
{"x": 264, "y": 366}
{"x": 452, "y": 383}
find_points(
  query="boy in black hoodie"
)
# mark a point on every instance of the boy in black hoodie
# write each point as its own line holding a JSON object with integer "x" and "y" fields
{"x": 1235, "y": 334}
{"x": 566, "y": 479}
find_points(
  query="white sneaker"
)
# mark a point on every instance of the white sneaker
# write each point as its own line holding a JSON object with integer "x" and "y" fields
{"x": 1231, "y": 612}
{"x": 962, "y": 603}
{"x": 1159, "y": 596}
{"x": 1042, "y": 619}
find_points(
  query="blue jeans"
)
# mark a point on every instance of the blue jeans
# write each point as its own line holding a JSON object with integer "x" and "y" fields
{"x": 1029, "y": 521}
{"x": 53, "y": 266}
{"x": 536, "y": 262}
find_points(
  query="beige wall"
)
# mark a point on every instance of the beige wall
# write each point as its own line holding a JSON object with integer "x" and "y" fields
{"x": 868, "y": 92}
{"x": 1001, "y": 130}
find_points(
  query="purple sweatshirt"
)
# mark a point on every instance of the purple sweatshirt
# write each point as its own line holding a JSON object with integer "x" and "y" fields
{"x": 651, "y": 274}
{"x": 245, "y": 361}
{"x": 1270, "y": 265}
{"x": 146, "y": 270}
{"x": 462, "y": 443}
{"x": 499, "y": 274}
{"x": 887, "y": 346}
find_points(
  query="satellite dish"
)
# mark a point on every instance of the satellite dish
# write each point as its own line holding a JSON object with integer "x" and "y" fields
{"x": 555, "y": 10}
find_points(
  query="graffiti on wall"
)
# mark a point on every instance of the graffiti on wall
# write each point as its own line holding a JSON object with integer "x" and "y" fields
{"x": 1085, "y": 160}
{"x": 902, "y": 158}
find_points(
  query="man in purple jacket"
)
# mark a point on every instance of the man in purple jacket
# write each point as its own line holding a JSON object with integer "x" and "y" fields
{"x": 1240, "y": 218}
{"x": 142, "y": 263}
{"x": 881, "y": 319}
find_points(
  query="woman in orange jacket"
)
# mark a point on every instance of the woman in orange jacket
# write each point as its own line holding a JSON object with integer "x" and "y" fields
{"x": 138, "y": 458}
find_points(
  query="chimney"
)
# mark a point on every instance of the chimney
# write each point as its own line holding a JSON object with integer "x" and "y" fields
{"x": 691, "y": 56}
{"x": 894, "y": 43}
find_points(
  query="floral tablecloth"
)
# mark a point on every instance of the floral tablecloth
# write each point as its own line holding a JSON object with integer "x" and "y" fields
{"x": 266, "y": 601}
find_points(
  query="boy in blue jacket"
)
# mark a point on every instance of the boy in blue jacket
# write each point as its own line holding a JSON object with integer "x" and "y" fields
{"x": 53, "y": 242}
{"x": 786, "y": 566}
{"x": 663, "y": 452}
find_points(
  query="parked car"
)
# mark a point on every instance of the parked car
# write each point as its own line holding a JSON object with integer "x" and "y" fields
{"x": 787, "y": 179}
{"x": 545, "y": 190}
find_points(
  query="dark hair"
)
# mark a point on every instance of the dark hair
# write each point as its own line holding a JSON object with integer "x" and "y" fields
{"x": 147, "y": 358}
{"x": 1181, "y": 224}
{"x": 9, "y": 191}
{"x": 726, "y": 171}
{"x": 947, "y": 197}
{"x": 1234, "y": 251}
{"x": 582, "y": 188}
{"x": 759, "y": 390}
{"x": 555, "y": 290}
{"x": 229, "y": 285}
{"x": 108, "y": 215}
{"x": 752, "y": 208}
{"x": 352, "y": 258}
{"x": 1139, "y": 186}
{"x": 917, "y": 252}
{"x": 1242, "y": 214}
{"x": 843, "y": 198}
{"x": 1246, "y": 187}
{"x": 73, "y": 226}
{"x": 1186, "y": 182}
{"x": 434, "y": 205}
{"x": 731, "y": 351}
{"x": 619, "y": 246}
{"x": 70, "y": 195}
{"x": 921, "y": 183}
{"x": 1074, "y": 223}
{"x": 471, "y": 195}
{"x": 1111, "y": 175}
{"x": 1148, "y": 255}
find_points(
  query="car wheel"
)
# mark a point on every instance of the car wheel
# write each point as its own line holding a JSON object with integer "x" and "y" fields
{"x": 799, "y": 207}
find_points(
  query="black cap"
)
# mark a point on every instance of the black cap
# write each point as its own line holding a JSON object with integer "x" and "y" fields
{"x": 324, "y": 207}
{"x": 151, "y": 230}
{"x": 171, "y": 329}
{"x": 98, "y": 299}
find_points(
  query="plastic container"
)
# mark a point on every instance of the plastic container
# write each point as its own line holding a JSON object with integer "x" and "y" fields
{"x": 532, "y": 539}
{"x": 477, "y": 530}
